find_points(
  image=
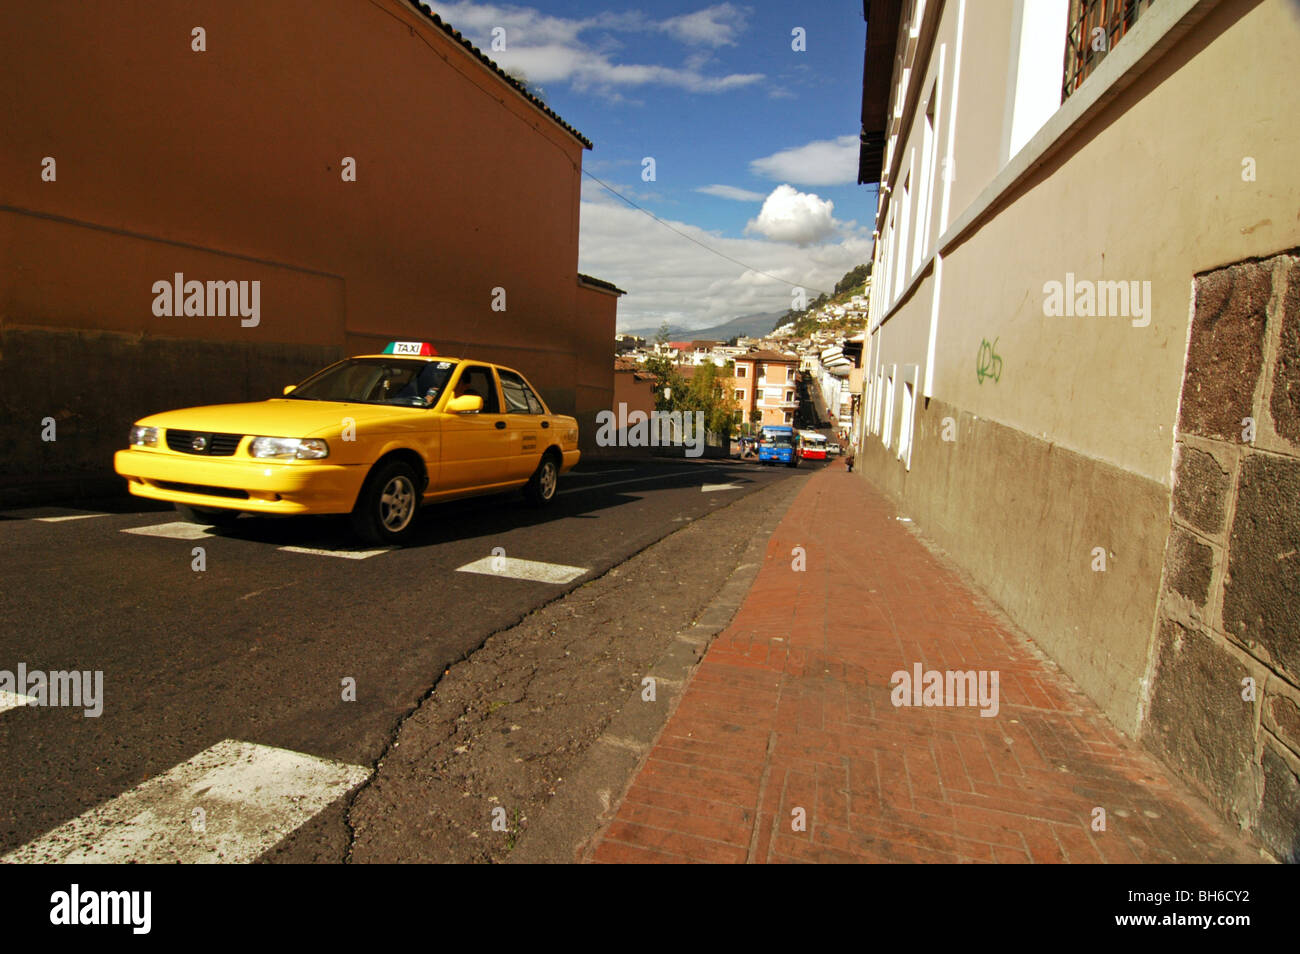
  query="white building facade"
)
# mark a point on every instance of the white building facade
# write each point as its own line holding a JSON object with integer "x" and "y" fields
{"x": 1085, "y": 228}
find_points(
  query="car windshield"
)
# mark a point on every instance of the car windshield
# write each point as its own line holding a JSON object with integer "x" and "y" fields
{"x": 378, "y": 381}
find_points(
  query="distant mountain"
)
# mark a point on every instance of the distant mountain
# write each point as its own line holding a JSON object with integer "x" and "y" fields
{"x": 754, "y": 326}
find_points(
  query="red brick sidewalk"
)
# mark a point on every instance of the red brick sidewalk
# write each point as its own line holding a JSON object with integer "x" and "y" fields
{"x": 791, "y": 709}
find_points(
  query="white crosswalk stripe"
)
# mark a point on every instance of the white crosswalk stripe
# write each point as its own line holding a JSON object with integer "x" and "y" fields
{"x": 515, "y": 569}
{"x": 50, "y": 514}
{"x": 228, "y": 804}
{"x": 180, "y": 530}
{"x": 636, "y": 480}
{"x": 345, "y": 554}
{"x": 13, "y": 700}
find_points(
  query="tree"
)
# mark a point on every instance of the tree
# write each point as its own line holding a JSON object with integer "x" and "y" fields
{"x": 668, "y": 380}
{"x": 853, "y": 280}
{"x": 709, "y": 391}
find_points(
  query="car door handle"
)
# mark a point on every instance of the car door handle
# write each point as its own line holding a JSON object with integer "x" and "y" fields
{"x": 546, "y": 423}
{"x": 501, "y": 425}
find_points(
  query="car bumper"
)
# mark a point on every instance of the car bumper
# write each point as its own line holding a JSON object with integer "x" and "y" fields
{"x": 253, "y": 486}
{"x": 570, "y": 460}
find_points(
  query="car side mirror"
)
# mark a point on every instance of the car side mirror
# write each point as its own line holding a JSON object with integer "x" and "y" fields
{"x": 289, "y": 387}
{"x": 465, "y": 404}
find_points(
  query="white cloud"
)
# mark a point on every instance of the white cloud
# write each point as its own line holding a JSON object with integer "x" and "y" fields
{"x": 789, "y": 215}
{"x": 712, "y": 26}
{"x": 541, "y": 64}
{"x": 596, "y": 71}
{"x": 821, "y": 163}
{"x": 548, "y": 49}
{"x": 731, "y": 192}
{"x": 670, "y": 278}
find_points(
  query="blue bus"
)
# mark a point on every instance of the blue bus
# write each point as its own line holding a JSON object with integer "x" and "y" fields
{"x": 776, "y": 445}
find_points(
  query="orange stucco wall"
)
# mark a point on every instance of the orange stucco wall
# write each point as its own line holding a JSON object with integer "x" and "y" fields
{"x": 226, "y": 165}
{"x": 637, "y": 395}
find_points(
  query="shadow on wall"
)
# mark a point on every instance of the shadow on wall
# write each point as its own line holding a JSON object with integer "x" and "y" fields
{"x": 70, "y": 396}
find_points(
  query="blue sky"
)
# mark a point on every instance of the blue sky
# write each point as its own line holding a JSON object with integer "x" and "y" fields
{"x": 754, "y": 143}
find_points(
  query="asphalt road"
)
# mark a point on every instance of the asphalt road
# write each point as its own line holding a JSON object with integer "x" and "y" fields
{"x": 256, "y": 645}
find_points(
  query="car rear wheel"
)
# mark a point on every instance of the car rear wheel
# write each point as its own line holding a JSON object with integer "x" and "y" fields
{"x": 386, "y": 508}
{"x": 541, "y": 488}
{"x": 221, "y": 519}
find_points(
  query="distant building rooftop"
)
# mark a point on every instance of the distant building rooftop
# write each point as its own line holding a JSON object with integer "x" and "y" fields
{"x": 628, "y": 366}
{"x": 600, "y": 283}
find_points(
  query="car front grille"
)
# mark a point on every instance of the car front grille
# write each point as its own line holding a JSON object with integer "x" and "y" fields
{"x": 202, "y": 489}
{"x": 203, "y": 442}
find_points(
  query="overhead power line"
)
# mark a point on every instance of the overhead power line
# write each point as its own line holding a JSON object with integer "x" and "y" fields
{"x": 690, "y": 238}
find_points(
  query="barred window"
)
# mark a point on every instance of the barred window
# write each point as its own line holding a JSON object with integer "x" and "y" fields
{"x": 1093, "y": 29}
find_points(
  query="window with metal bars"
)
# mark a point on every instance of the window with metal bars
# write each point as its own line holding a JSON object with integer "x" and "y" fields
{"x": 1093, "y": 29}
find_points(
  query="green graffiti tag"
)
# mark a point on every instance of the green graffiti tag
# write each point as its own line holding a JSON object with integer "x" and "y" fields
{"x": 989, "y": 362}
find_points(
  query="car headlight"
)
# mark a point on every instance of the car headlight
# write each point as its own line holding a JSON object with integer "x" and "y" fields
{"x": 143, "y": 436}
{"x": 310, "y": 448}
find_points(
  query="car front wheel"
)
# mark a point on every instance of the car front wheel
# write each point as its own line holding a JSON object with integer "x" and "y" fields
{"x": 385, "y": 510}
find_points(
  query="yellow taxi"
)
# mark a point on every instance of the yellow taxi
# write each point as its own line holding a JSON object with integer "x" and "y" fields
{"x": 374, "y": 436}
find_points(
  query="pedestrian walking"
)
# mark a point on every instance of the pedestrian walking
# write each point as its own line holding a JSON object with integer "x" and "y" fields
{"x": 849, "y": 460}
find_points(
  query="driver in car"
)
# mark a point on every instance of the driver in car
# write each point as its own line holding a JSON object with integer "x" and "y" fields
{"x": 431, "y": 390}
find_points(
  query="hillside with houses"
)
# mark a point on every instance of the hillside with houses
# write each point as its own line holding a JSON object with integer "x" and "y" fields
{"x": 806, "y": 372}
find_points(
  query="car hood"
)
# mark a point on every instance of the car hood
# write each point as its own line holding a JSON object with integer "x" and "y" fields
{"x": 278, "y": 417}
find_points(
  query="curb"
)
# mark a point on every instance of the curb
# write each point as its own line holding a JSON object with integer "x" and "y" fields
{"x": 589, "y": 797}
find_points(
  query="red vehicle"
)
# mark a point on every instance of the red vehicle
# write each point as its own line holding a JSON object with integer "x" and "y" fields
{"x": 812, "y": 446}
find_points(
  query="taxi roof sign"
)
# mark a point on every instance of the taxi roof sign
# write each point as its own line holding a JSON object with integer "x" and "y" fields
{"x": 419, "y": 348}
